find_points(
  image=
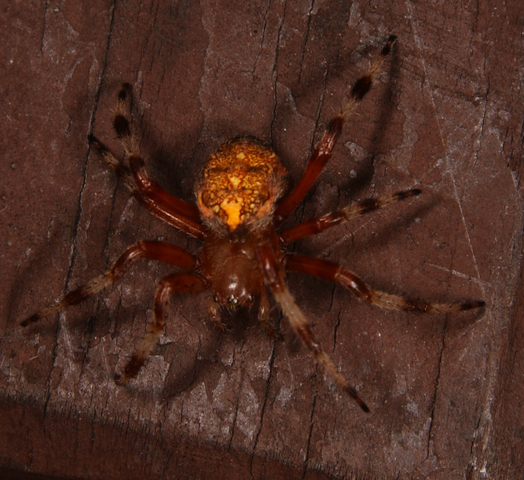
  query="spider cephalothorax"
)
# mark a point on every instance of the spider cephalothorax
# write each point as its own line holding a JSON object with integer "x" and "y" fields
{"x": 236, "y": 217}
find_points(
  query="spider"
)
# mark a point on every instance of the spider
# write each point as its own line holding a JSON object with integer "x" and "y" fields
{"x": 236, "y": 216}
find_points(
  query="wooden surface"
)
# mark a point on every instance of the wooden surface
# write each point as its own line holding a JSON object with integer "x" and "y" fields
{"x": 446, "y": 116}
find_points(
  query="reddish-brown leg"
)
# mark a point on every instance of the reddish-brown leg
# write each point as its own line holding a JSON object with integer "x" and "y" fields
{"x": 174, "y": 211}
{"x": 325, "y": 148}
{"x": 161, "y": 251}
{"x": 215, "y": 314}
{"x": 336, "y": 273}
{"x": 177, "y": 283}
{"x": 274, "y": 279}
{"x": 357, "y": 209}
{"x": 263, "y": 315}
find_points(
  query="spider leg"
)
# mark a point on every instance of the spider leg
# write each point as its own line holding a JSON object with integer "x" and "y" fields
{"x": 274, "y": 279}
{"x": 179, "y": 282}
{"x": 263, "y": 315}
{"x": 161, "y": 251}
{"x": 184, "y": 216}
{"x": 325, "y": 147}
{"x": 354, "y": 210}
{"x": 215, "y": 315}
{"x": 116, "y": 165}
{"x": 170, "y": 209}
{"x": 336, "y": 273}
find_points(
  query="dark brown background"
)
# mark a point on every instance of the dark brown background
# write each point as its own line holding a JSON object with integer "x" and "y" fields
{"x": 447, "y": 116}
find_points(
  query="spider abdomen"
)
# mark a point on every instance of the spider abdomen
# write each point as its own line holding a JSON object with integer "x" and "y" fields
{"x": 240, "y": 185}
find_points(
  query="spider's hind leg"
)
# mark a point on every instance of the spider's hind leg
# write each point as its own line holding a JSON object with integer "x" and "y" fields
{"x": 327, "y": 143}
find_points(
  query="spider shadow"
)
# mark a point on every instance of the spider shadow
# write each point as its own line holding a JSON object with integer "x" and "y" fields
{"x": 216, "y": 350}
{"x": 462, "y": 324}
{"x": 388, "y": 231}
{"x": 387, "y": 228}
{"x": 31, "y": 276}
{"x": 26, "y": 279}
{"x": 27, "y": 286}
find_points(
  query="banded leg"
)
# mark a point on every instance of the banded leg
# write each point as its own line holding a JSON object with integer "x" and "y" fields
{"x": 325, "y": 147}
{"x": 161, "y": 251}
{"x": 274, "y": 278}
{"x": 163, "y": 206}
{"x": 354, "y": 210}
{"x": 179, "y": 282}
{"x": 336, "y": 273}
{"x": 172, "y": 210}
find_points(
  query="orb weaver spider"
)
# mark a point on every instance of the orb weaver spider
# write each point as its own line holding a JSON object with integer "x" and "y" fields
{"x": 236, "y": 217}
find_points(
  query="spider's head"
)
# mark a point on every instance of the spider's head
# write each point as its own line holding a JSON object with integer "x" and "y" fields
{"x": 240, "y": 185}
{"x": 234, "y": 302}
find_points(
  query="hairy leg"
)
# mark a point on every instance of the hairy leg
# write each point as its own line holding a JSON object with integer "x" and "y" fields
{"x": 177, "y": 283}
{"x": 325, "y": 147}
{"x": 274, "y": 278}
{"x": 354, "y": 210}
{"x": 172, "y": 210}
{"x": 336, "y": 273}
{"x": 161, "y": 251}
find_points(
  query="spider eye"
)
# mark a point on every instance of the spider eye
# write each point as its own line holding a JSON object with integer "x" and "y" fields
{"x": 232, "y": 302}
{"x": 216, "y": 299}
{"x": 251, "y": 298}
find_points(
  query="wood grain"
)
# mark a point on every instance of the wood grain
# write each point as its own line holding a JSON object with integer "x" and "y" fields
{"x": 445, "y": 117}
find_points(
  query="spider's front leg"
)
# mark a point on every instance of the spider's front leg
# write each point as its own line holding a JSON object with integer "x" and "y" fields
{"x": 336, "y": 273}
{"x": 161, "y": 251}
{"x": 274, "y": 279}
{"x": 177, "y": 283}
